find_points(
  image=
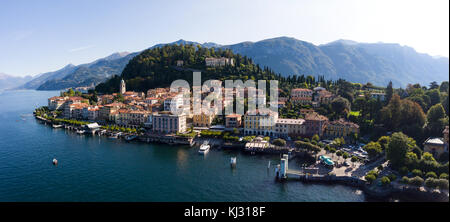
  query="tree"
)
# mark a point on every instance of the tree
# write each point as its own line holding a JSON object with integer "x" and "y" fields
{"x": 431, "y": 174}
{"x": 373, "y": 149}
{"x": 416, "y": 181}
{"x": 417, "y": 172}
{"x": 340, "y": 106}
{"x": 434, "y": 85}
{"x": 279, "y": 142}
{"x": 397, "y": 149}
{"x": 434, "y": 95}
{"x": 384, "y": 141}
{"x": 370, "y": 178}
{"x": 354, "y": 159}
{"x": 444, "y": 86}
{"x": 436, "y": 119}
{"x": 385, "y": 180}
{"x": 315, "y": 137}
{"x": 435, "y": 113}
{"x": 445, "y": 104}
{"x": 443, "y": 176}
{"x": 389, "y": 92}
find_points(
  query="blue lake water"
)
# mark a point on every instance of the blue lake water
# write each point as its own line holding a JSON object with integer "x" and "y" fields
{"x": 92, "y": 168}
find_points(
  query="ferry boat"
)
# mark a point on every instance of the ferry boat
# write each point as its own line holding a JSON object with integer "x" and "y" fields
{"x": 204, "y": 148}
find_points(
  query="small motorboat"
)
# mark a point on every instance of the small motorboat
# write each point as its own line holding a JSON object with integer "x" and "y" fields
{"x": 114, "y": 136}
{"x": 56, "y": 126}
{"x": 80, "y": 131}
{"x": 55, "y": 161}
{"x": 233, "y": 161}
{"x": 204, "y": 148}
{"x": 130, "y": 137}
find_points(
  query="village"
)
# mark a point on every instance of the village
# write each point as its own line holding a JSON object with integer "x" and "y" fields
{"x": 337, "y": 153}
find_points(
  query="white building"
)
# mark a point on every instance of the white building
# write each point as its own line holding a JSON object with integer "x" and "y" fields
{"x": 167, "y": 123}
{"x": 222, "y": 61}
{"x": 380, "y": 96}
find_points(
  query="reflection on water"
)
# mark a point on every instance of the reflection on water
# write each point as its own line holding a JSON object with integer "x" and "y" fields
{"x": 182, "y": 156}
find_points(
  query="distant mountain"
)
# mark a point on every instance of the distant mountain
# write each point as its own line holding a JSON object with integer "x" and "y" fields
{"x": 90, "y": 74}
{"x": 43, "y": 77}
{"x": 10, "y": 82}
{"x": 288, "y": 56}
{"x": 377, "y": 63}
{"x": 380, "y": 63}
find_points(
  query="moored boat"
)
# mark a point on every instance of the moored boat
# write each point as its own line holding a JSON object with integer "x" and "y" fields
{"x": 204, "y": 148}
{"x": 56, "y": 126}
{"x": 130, "y": 137}
{"x": 233, "y": 161}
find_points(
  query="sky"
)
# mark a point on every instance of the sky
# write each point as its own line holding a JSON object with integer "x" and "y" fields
{"x": 42, "y": 36}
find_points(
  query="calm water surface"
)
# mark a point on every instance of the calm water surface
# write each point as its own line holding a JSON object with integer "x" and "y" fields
{"x": 92, "y": 168}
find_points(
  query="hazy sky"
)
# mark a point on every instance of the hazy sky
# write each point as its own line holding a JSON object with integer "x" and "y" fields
{"x": 41, "y": 36}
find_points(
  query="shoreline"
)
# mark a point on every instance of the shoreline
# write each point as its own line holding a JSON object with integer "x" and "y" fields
{"x": 416, "y": 193}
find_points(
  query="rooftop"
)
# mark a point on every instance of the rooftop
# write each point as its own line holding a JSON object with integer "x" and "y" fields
{"x": 434, "y": 141}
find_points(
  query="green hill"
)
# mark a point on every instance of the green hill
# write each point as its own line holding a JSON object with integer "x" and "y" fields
{"x": 156, "y": 67}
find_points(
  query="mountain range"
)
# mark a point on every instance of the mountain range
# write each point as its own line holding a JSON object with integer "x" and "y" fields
{"x": 10, "y": 82}
{"x": 377, "y": 63}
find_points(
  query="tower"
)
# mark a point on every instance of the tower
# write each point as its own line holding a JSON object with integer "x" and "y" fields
{"x": 122, "y": 87}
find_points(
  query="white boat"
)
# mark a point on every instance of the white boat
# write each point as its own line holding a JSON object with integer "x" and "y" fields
{"x": 204, "y": 148}
{"x": 56, "y": 126}
{"x": 80, "y": 131}
{"x": 113, "y": 136}
{"x": 233, "y": 161}
{"x": 55, "y": 161}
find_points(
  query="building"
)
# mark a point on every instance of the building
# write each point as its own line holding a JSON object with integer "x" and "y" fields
{"x": 322, "y": 96}
{"x": 290, "y": 128}
{"x": 233, "y": 121}
{"x": 168, "y": 123}
{"x": 105, "y": 99}
{"x": 202, "y": 120}
{"x": 90, "y": 113}
{"x": 306, "y": 111}
{"x": 151, "y": 100}
{"x": 176, "y": 101}
{"x": 106, "y": 111}
{"x": 257, "y": 124}
{"x": 301, "y": 96}
{"x": 68, "y": 109}
{"x": 222, "y": 61}
{"x": 315, "y": 124}
{"x": 56, "y": 102}
{"x": 74, "y": 111}
{"x": 380, "y": 96}
{"x": 435, "y": 146}
{"x": 122, "y": 87}
{"x": 132, "y": 118}
{"x": 341, "y": 128}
